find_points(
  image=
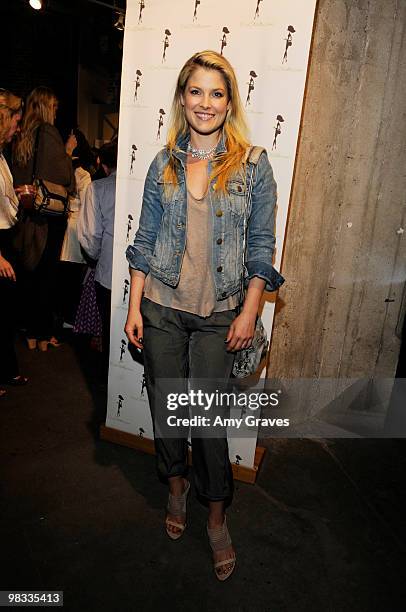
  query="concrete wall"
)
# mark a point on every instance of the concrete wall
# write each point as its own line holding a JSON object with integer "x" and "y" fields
{"x": 344, "y": 255}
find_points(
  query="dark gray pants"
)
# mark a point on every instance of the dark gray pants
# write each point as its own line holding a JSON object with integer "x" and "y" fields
{"x": 178, "y": 345}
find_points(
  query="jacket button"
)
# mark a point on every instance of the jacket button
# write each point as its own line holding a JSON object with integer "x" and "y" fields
{"x": 239, "y": 188}
{"x": 220, "y": 269}
{"x": 219, "y": 241}
{"x": 219, "y": 213}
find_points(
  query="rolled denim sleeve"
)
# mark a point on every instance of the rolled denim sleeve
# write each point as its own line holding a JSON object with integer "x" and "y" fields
{"x": 261, "y": 223}
{"x": 139, "y": 254}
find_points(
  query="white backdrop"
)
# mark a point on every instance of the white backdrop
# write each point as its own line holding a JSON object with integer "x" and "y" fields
{"x": 268, "y": 43}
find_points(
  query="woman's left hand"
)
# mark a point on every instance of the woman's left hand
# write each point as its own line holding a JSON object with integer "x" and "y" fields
{"x": 241, "y": 332}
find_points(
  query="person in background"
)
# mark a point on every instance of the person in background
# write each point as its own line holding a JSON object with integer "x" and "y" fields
{"x": 95, "y": 233}
{"x": 72, "y": 265}
{"x": 98, "y": 171}
{"x": 10, "y": 116}
{"x": 52, "y": 163}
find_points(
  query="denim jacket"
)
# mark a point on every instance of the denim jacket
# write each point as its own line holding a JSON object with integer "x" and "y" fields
{"x": 160, "y": 240}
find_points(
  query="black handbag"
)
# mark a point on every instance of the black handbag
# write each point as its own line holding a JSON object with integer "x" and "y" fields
{"x": 51, "y": 198}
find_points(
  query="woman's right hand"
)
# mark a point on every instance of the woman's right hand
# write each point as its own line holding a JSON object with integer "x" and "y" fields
{"x": 134, "y": 328}
{"x": 6, "y": 269}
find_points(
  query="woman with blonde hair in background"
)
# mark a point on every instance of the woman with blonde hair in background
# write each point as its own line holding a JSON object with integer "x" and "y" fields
{"x": 185, "y": 266}
{"x": 11, "y": 108}
{"x": 39, "y": 152}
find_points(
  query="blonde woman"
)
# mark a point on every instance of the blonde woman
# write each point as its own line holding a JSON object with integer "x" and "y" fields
{"x": 39, "y": 151}
{"x": 185, "y": 267}
{"x": 11, "y": 107}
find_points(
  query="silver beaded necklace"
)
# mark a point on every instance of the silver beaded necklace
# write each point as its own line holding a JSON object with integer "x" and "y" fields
{"x": 201, "y": 153}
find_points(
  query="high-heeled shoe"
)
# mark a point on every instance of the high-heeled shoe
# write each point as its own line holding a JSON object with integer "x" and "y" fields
{"x": 177, "y": 507}
{"x": 219, "y": 539}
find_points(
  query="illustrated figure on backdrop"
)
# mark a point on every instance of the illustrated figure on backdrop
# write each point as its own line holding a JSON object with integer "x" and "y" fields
{"x": 289, "y": 43}
{"x": 125, "y": 290}
{"x": 160, "y": 122}
{"x": 133, "y": 150}
{"x": 186, "y": 266}
{"x": 129, "y": 225}
{"x": 251, "y": 86}
{"x": 122, "y": 349}
{"x": 143, "y": 384}
{"x": 11, "y": 108}
{"x": 119, "y": 404}
{"x": 137, "y": 84}
{"x": 224, "y": 39}
{"x": 166, "y": 44}
{"x": 279, "y": 120}
{"x": 142, "y": 7}
{"x": 40, "y": 153}
{"x": 257, "y": 9}
{"x": 197, "y": 2}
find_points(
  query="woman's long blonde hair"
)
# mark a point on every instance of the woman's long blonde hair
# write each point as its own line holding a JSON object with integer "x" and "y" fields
{"x": 9, "y": 106}
{"x": 235, "y": 126}
{"x": 40, "y": 108}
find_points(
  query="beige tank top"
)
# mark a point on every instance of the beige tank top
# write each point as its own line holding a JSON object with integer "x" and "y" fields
{"x": 195, "y": 292}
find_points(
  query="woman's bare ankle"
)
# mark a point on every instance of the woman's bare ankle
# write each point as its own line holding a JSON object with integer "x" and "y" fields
{"x": 216, "y": 514}
{"x": 177, "y": 485}
{"x": 215, "y": 520}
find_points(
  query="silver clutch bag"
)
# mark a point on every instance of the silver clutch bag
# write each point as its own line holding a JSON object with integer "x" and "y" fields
{"x": 246, "y": 361}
